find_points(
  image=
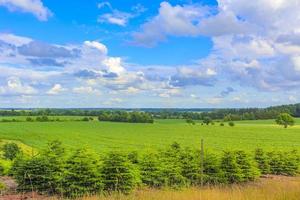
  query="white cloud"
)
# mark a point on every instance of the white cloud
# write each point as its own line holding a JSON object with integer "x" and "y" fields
{"x": 114, "y": 65}
{"x": 86, "y": 90}
{"x": 34, "y": 7}
{"x": 171, "y": 20}
{"x": 97, "y": 45}
{"x": 56, "y": 89}
{"x": 14, "y": 86}
{"x": 116, "y": 17}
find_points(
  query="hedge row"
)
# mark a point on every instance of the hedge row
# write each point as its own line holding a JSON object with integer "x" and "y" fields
{"x": 85, "y": 173}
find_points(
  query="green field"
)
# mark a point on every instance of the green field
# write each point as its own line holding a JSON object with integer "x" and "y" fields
{"x": 103, "y": 136}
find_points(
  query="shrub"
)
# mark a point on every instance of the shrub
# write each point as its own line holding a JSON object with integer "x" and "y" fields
{"x": 82, "y": 176}
{"x": 118, "y": 173}
{"x": 43, "y": 173}
{"x": 172, "y": 166}
{"x": 230, "y": 167}
{"x": 151, "y": 169}
{"x": 10, "y": 150}
{"x": 29, "y": 119}
{"x": 222, "y": 124}
{"x": 249, "y": 169}
{"x": 231, "y": 124}
{"x": 262, "y": 161}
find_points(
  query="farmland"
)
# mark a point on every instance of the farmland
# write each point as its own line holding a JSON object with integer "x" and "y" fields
{"x": 104, "y": 136}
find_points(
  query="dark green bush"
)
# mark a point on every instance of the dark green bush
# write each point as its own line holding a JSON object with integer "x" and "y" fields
{"x": 151, "y": 170}
{"x": 82, "y": 176}
{"x": 10, "y": 151}
{"x": 263, "y": 161}
{"x": 231, "y": 168}
{"x": 248, "y": 166}
{"x": 118, "y": 173}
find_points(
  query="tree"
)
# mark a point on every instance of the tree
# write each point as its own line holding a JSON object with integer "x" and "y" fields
{"x": 10, "y": 150}
{"x": 190, "y": 121}
{"x": 207, "y": 120}
{"x": 82, "y": 176}
{"x": 285, "y": 120}
{"x": 118, "y": 173}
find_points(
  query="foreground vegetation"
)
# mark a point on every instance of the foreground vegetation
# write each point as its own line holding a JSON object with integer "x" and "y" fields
{"x": 276, "y": 188}
{"x": 55, "y": 171}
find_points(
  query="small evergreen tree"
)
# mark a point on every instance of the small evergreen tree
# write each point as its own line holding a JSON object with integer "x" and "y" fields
{"x": 118, "y": 173}
{"x": 82, "y": 175}
{"x": 10, "y": 150}
{"x": 247, "y": 165}
{"x": 230, "y": 167}
{"x": 262, "y": 161}
{"x": 150, "y": 168}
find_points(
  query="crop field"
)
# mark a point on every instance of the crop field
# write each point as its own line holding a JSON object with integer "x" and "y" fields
{"x": 103, "y": 136}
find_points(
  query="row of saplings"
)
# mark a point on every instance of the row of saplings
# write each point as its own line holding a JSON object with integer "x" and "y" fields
{"x": 80, "y": 173}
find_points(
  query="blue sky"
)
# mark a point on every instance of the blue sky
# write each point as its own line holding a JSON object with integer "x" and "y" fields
{"x": 177, "y": 53}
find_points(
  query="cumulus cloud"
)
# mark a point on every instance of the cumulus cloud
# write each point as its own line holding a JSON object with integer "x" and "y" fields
{"x": 117, "y": 17}
{"x": 14, "y": 86}
{"x": 171, "y": 20}
{"x": 56, "y": 89}
{"x": 35, "y": 7}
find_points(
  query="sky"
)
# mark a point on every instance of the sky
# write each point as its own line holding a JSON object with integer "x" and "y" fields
{"x": 159, "y": 54}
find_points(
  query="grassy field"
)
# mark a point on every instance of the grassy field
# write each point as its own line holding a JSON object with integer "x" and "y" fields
{"x": 102, "y": 136}
{"x": 280, "y": 188}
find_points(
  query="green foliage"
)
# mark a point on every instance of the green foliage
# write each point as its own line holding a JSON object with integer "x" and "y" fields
{"x": 285, "y": 120}
{"x": 2, "y": 187}
{"x": 190, "y": 121}
{"x": 151, "y": 170}
{"x": 123, "y": 116}
{"x": 231, "y": 123}
{"x": 284, "y": 163}
{"x": 42, "y": 173}
{"x": 263, "y": 161}
{"x": 229, "y": 165}
{"x": 207, "y": 120}
{"x": 43, "y": 118}
{"x": 82, "y": 176}
{"x": 172, "y": 166}
{"x": 118, "y": 173}
{"x": 246, "y": 163}
{"x": 10, "y": 150}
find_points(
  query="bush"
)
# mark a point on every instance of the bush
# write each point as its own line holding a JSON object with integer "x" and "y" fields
{"x": 263, "y": 161}
{"x": 82, "y": 176}
{"x": 249, "y": 169}
{"x": 10, "y": 150}
{"x": 151, "y": 170}
{"x": 222, "y": 124}
{"x": 230, "y": 167}
{"x": 231, "y": 124}
{"x": 29, "y": 119}
{"x": 118, "y": 173}
{"x": 43, "y": 173}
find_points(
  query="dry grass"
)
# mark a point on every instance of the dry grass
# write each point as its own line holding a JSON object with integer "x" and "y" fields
{"x": 277, "y": 188}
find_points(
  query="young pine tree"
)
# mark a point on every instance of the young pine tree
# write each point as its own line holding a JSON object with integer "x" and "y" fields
{"x": 82, "y": 175}
{"x": 247, "y": 165}
{"x": 230, "y": 168}
{"x": 263, "y": 161}
{"x": 118, "y": 173}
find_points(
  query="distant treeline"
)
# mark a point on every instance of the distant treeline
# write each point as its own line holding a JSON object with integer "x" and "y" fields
{"x": 233, "y": 114}
{"x": 123, "y": 116}
{"x": 113, "y": 114}
{"x": 81, "y": 172}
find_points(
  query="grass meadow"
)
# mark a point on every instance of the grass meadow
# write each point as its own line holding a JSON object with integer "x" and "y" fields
{"x": 279, "y": 188}
{"x": 104, "y": 136}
